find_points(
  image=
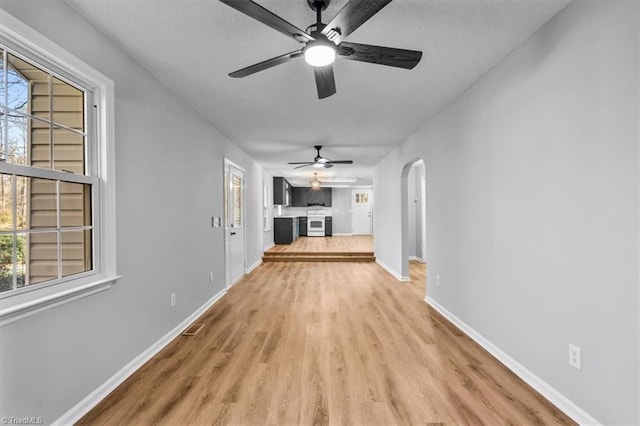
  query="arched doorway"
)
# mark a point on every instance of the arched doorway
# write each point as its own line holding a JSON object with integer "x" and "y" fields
{"x": 413, "y": 214}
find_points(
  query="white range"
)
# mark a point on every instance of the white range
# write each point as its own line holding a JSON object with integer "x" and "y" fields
{"x": 315, "y": 221}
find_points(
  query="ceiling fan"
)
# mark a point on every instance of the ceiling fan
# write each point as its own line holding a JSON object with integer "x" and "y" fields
{"x": 320, "y": 161}
{"x": 323, "y": 42}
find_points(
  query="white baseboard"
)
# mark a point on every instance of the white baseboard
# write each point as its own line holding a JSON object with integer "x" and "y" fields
{"x": 416, "y": 258}
{"x": 91, "y": 400}
{"x": 267, "y": 248}
{"x": 556, "y": 398}
{"x": 398, "y": 276}
{"x": 254, "y": 266}
{"x": 341, "y": 234}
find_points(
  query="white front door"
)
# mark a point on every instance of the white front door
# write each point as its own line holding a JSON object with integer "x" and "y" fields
{"x": 362, "y": 208}
{"x": 234, "y": 223}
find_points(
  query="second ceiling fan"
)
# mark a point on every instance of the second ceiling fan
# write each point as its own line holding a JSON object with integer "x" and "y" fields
{"x": 323, "y": 42}
{"x": 319, "y": 161}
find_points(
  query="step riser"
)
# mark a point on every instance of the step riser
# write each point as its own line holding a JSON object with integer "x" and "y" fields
{"x": 318, "y": 257}
{"x": 322, "y": 256}
{"x": 306, "y": 257}
{"x": 295, "y": 259}
{"x": 294, "y": 254}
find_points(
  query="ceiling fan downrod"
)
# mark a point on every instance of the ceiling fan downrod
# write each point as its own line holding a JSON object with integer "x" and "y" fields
{"x": 318, "y": 6}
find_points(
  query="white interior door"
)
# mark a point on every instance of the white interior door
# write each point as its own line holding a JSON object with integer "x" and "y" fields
{"x": 362, "y": 208}
{"x": 234, "y": 223}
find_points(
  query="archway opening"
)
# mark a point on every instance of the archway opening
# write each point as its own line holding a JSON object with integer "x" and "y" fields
{"x": 413, "y": 215}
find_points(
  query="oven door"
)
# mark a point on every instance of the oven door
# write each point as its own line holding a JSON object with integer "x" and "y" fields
{"x": 315, "y": 226}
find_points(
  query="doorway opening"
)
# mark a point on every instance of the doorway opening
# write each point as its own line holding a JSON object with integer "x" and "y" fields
{"x": 413, "y": 215}
{"x": 234, "y": 219}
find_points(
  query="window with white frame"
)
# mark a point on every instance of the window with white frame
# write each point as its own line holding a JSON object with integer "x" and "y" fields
{"x": 56, "y": 203}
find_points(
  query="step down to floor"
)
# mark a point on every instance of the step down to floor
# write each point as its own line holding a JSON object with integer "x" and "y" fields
{"x": 318, "y": 257}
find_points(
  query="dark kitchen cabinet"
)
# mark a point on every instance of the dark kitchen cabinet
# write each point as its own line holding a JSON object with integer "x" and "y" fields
{"x": 304, "y": 196}
{"x": 299, "y": 196}
{"x": 328, "y": 226}
{"x": 285, "y": 230}
{"x": 302, "y": 226}
{"x": 281, "y": 191}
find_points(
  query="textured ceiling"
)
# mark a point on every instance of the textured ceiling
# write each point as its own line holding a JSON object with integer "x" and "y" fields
{"x": 275, "y": 115}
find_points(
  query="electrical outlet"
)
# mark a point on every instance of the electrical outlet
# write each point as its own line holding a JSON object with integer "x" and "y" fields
{"x": 574, "y": 357}
{"x": 173, "y": 300}
{"x": 211, "y": 276}
{"x": 438, "y": 280}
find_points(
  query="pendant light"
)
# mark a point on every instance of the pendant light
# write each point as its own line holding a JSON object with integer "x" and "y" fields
{"x": 315, "y": 183}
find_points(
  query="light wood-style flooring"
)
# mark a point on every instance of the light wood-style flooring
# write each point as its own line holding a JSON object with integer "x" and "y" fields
{"x": 339, "y": 243}
{"x": 324, "y": 343}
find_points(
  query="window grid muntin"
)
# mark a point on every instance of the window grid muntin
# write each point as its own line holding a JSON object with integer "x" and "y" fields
{"x": 58, "y": 230}
{"x": 90, "y": 125}
{"x": 53, "y": 71}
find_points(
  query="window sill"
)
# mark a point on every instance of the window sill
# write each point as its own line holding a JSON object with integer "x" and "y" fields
{"x": 13, "y": 312}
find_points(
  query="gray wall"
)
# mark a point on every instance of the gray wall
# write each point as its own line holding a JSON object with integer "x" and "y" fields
{"x": 420, "y": 175}
{"x": 533, "y": 209}
{"x": 414, "y": 210}
{"x": 169, "y": 184}
{"x": 341, "y": 210}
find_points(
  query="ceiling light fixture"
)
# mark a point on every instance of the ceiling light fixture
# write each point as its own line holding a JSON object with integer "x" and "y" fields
{"x": 320, "y": 53}
{"x": 315, "y": 183}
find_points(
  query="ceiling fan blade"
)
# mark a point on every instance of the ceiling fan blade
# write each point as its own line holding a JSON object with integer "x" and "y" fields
{"x": 351, "y": 16}
{"x": 390, "y": 56}
{"x": 269, "y": 18}
{"x": 304, "y": 165}
{"x": 266, "y": 64}
{"x": 308, "y": 163}
{"x": 341, "y": 162}
{"x": 325, "y": 82}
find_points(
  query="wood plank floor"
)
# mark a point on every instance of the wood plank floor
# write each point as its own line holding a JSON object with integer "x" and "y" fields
{"x": 324, "y": 343}
{"x": 340, "y": 243}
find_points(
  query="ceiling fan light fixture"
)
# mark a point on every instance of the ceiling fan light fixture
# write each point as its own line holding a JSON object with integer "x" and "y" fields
{"x": 319, "y": 53}
{"x": 318, "y": 165}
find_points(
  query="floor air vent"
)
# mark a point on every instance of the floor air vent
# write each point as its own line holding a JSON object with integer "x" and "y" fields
{"x": 193, "y": 330}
